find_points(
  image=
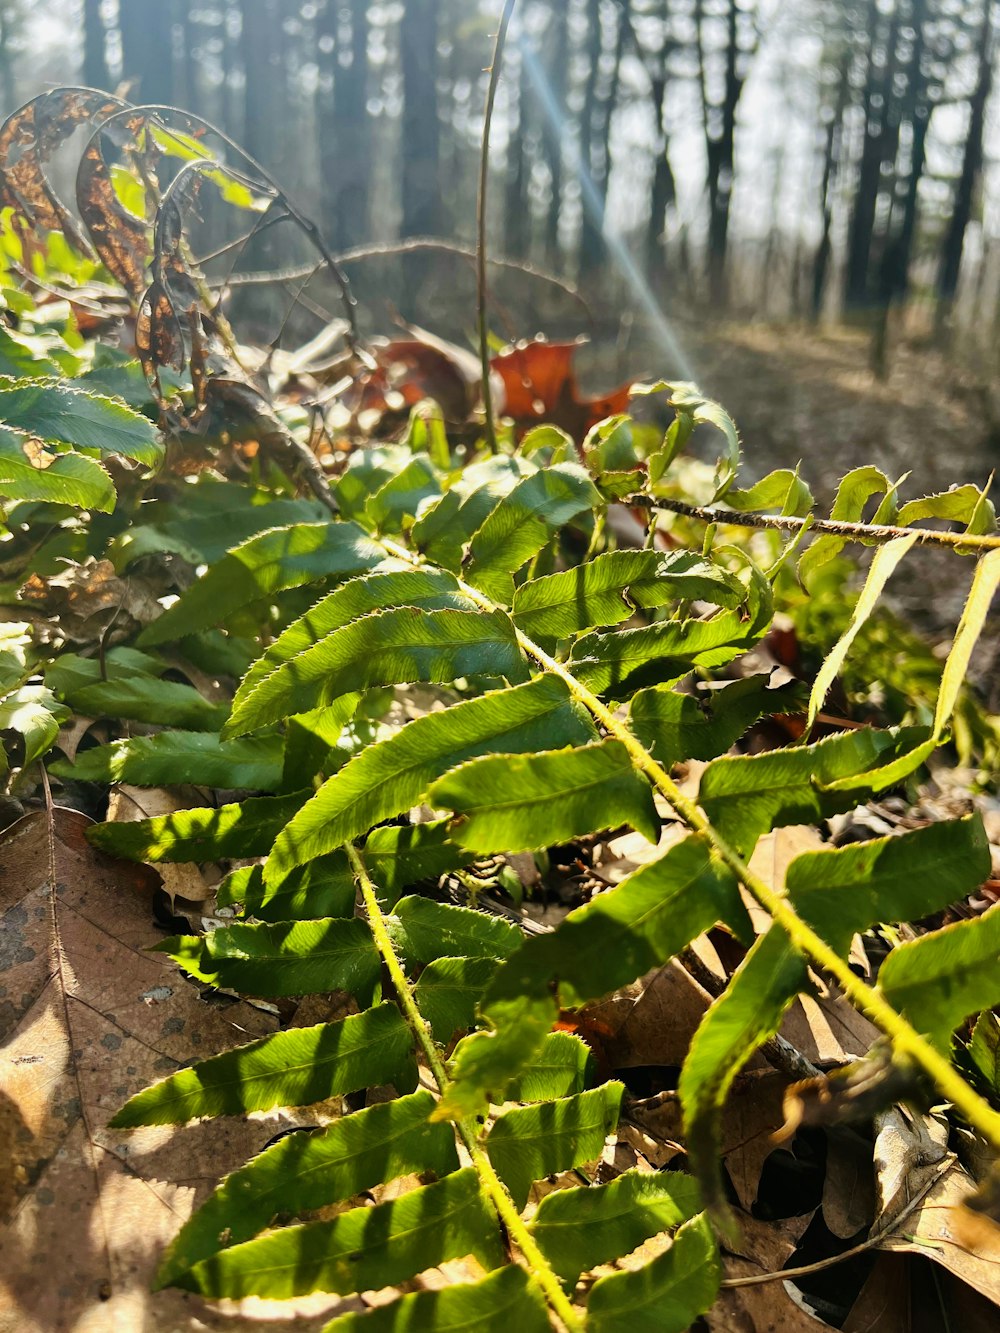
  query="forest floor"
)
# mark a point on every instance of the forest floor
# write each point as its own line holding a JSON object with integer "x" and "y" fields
{"x": 799, "y": 394}
{"x": 805, "y": 396}
{"x": 802, "y": 394}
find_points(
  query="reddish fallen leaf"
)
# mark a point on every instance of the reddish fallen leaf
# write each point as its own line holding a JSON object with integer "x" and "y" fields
{"x": 532, "y": 382}
{"x": 540, "y": 384}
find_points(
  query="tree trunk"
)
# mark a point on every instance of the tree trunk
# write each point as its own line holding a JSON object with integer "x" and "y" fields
{"x": 517, "y": 208}
{"x": 590, "y": 240}
{"x": 343, "y": 125}
{"x": 968, "y": 181}
{"x": 664, "y": 192}
{"x": 264, "y": 94}
{"x": 878, "y": 103}
{"x": 190, "y": 71}
{"x": 148, "y": 49}
{"x": 723, "y": 166}
{"x": 422, "y": 212}
{"x": 831, "y": 166}
{"x": 557, "y": 36}
{"x": 95, "y": 62}
{"x": 898, "y": 252}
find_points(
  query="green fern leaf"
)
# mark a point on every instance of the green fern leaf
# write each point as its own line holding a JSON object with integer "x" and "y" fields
{"x": 432, "y": 589}
{"x": 402, "y": 495}
{"x": 132, "y": 689}
{"x": 666, "y": 1295}
{"x": 252, "y": 762}
{"x": 283, "y": 958}
{"x": 392, "y": 647}
{"x": 962, "y": 504}
{"x": 292, "y": 1068}
{"x": 884, "y": 562}
{"x": 853, "y": 493}
{"x": 599, "y": 947}
{"x": 534, "y": 1141}
{"x": 51, "y": 409}
{"x": 940, "y": 979}
{"x": 443, "y": 528}
{"x": 244, "y": 828}
{"x": 578, "y": 1229}
{"x": 361, "y": 1249}
{"x": 304, "y": 1171}
{"x": 30, "y": 471}
{"x": 618, "y": 936}
{"x": 323, "y": 888}
{"x": 507, "y": 1299}
{"x": 844, "y": 890}
{"x": 267, "y": 564}
{"x": 617, "y": 664}
{"x": 518, "y": 803}
{"x": 400, "y": 855}
{"x": 747, "y": 1013}
{"x": 448, "y": 992}
{"x": 393, "y": 775}
{"x": 607, "y": 590}
{"x": 675, "y": 726}
{"x": 782, "y": 490}
{"x": 523, "y": 521}
{"x": 748, "y": 795}
{"x": 561, "y": 1068}
{"x": 436, "y": 930}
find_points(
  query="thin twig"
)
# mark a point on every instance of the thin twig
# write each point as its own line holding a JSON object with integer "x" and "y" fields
{"x": 484, "y": 172}
{"x": 870, "y": 1243}
{"x": 412, "y": 245}
{"x": 875, "y": 532}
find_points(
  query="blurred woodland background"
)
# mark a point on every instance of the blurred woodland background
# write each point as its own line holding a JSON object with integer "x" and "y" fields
{"x": 794, "y": 202}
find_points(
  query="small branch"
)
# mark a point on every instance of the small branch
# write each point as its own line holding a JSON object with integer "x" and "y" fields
{"x": 388, "y": 249}
{"x": 870, "y": 1243}
{"x": 484, "y": 172}
{"x": 778, "y": 1051}
{"x": 506, "y": 1209}
{"x": 876, "y": 532}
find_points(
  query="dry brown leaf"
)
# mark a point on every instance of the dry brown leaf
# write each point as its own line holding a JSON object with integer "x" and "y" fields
{"x": 30, "y": 138}
{"x": 903, "y": 1295}
{"x": 909, "y": 1151}
{"x": 89, "y": 1018}
{"x": 127, "y": 804}
{"x": 72, "y": 734}
{"x": 827, "y": 1029}
{"x": 88, "y": 597}
{"x": 937, "y": 1230}
{"x": 118, "y": 236}
{"x": 750, "y": 1119}
{"x": 661, "y": 1023}
{"x": 849, "y": 1185}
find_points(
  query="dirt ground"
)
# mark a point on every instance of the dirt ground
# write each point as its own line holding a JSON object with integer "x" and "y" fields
{"x": 799, "y": 394}
{"x": 802, "y": 395}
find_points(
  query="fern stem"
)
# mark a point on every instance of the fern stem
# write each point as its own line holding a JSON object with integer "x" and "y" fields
{"x": 383, "y": 942}
{"x": 467, "y": 1131}
{"x": 975, "y": 1109}
{"x": 876, "y": 532}
{"x": 965, "y": 1099}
